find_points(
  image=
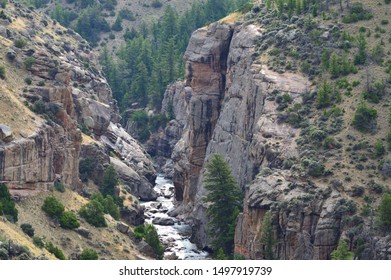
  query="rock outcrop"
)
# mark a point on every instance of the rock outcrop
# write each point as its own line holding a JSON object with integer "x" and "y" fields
{"x": 232, "y": 110}
{"x": 64, "y": 85}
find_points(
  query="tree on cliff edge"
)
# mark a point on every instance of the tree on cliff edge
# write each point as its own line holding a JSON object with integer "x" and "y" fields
{"x": 225, "y": 200}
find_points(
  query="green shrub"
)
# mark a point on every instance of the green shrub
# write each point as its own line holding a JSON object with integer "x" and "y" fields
{"x": 7, "y": 204}
{"x": 156, "y": 4}
{"x": 385, "y": 21}
{"x": 2, "y": 72}
{"x": 89, "y": 254}
{"x": 376, "y": 92}
{"x": 379, "y": 148}
{"x": 364, "y": 119}
{"x": 152, "y": 238}
{"x": 59, "y": 186}
{"x": 68, "y": 220}
{"x": 20, "y": 43}
{"x": 38, "y": 241}
{"x": 93, "y": 213}
{"x": 117, "y": 25}
{"x": 27, "y": 229}
{"x": 342, "y": 252}
{"x": 86, "y": 167}
{"x": 139, "y": 231}
{"x": 53, "y": 207}
{"x": 110, "y": 181}
{"x": 111, "y": 207}
{"x": 108, "y": 203}
{"x": 384, "y": 213}
{"x": 315, "y": 169}
{"x": 29, "y": 62}
{"x": 357, "y": 13}
{"x": 38, "y": 107}
{"x": 28, "y": 80}
{"x": 127, "y": 14}
{"x": 55, "y": 251}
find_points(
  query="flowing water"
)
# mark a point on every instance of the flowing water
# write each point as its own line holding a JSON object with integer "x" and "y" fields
{"x": 175, "y": 236}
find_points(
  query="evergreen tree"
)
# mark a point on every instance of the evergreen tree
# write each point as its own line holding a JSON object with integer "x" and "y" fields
{"x": 152, "y": 238}
{"x": 361, "y": 57}
{"x": 384, "y": 213}
{"x": 7, "y": 205}
{"x": 267, "y": 236}
{"x": 323, "y": 98}
{"x": 110, "y": 181}
{"x": 224, "y": 197}
{"x": 117, "y": 25}
{"x": 334, "y": 67}
{"x": 342, "y": 252}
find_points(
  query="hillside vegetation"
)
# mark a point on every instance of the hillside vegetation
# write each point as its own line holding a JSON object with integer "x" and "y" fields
{"x": 344, "y": 118}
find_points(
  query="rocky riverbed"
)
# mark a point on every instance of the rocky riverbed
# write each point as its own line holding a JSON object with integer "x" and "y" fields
{"x": 175, "y": 234}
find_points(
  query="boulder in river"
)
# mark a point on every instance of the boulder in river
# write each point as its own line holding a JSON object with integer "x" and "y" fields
{"x": 163, "y": 221}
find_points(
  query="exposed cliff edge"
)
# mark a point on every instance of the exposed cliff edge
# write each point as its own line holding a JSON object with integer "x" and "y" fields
{"x": 232, "y": 99}
{"x": 55, "y": 73}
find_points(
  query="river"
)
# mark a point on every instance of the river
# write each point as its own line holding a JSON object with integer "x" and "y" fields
{"x": 175, "y": 236}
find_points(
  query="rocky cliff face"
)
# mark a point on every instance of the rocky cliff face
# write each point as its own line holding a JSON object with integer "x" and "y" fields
{"x": 232, "y": 103}
{"x": 62, "y": 83}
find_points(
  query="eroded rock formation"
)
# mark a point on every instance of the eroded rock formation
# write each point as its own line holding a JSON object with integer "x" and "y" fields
{"x": 231, "y": 109}
{"x": 66, "y": 86}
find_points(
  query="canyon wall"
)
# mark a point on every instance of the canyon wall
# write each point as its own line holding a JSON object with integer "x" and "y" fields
{"x": 66, "y": 88}
{"x": 231, "y": 109}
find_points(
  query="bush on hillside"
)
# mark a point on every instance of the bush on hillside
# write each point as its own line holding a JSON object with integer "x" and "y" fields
{"x": 53, "y": 207}
{"x": 93, "y": 213}
{"x": 55, "y": 251}
{"x": 68, "y": 220}
{"x": 27, "y": 229}
{"x": 89, "y": 254}
{"x": 7, "y": 205}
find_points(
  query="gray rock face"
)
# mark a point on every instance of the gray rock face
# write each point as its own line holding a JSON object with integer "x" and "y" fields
{"x": 30, "y": 165}
{"x": 129, "y": 150}
{"x": 5, "y": 133}
{"x": 133, "y": 216}
{"x": 122, "y": 227}
{"x": 243, "y": 127}
{"x": 138, "y": 185}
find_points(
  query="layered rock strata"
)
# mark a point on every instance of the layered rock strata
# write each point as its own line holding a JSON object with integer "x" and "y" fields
{"x": 65, "y": 85}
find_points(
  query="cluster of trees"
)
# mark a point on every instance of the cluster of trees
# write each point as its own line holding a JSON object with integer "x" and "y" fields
{"x": 298, "y": 7}
{"x": 152, "y": 57}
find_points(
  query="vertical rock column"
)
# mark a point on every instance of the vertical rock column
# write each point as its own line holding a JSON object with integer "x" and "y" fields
{"x": 206, "y": 67}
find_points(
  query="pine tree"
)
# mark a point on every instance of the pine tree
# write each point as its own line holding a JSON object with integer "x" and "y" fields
{"x": 384, "y": 213}
{"x": 110, "y": 181}
{"x": 224, "y": 198}
{"x": 342, "y": 252}
{"x": 267, "y": 236}
{"x": 361, "y": 57}
{"x": 117, "y": 25}
{"x": 334, "y": 67}
{"x": 323, "y": 98}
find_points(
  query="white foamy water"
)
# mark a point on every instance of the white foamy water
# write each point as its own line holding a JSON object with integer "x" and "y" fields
{"x": 176, "y": 238}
